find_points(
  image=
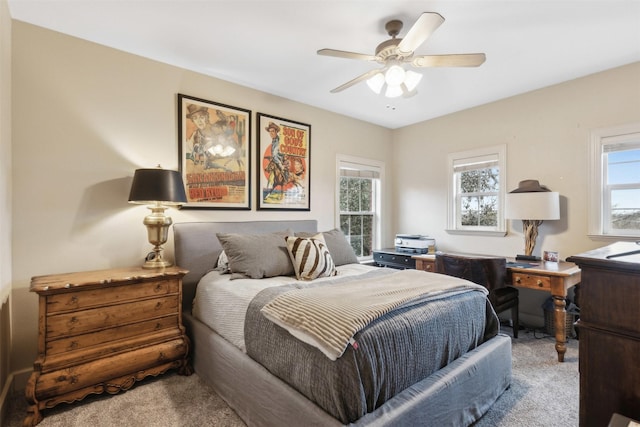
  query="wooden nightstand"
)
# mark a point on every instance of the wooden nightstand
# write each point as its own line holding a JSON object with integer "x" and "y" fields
{"x": 101, "y": 331}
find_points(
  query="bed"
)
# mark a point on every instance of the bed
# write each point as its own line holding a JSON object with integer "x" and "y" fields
{"x": 457, "y": 393}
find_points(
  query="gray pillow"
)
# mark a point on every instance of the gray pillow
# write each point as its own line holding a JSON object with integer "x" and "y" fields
{"x": 339, "y": 247}
{"x": 257, "y": 255}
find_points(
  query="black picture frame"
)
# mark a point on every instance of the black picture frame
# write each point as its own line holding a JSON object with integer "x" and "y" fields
{"x": 284, "y": 180}
{"x": 214, "y": 150}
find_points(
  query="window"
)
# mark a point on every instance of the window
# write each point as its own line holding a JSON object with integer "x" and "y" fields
{"x": 614, "y": 208}
{"x": 476, "y": 191}
{"x": 359, "y": 202}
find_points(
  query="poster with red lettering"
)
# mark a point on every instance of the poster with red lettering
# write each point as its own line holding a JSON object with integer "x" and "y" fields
{"x": 215, "y": 154}
{"x": 284, "y": 161}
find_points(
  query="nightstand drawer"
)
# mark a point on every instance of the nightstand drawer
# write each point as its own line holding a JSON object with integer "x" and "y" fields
{"x": 108, "y": 295}
{"x": 425, "y": 264}
{"x": 136, "y": 361}
{"x": 79, "y": 322}
{"x": 532, "y": 281}
{"x": 84, "y": 341}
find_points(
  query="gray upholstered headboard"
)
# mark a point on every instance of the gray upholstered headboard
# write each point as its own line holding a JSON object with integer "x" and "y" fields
{"x": 197, "y": 248}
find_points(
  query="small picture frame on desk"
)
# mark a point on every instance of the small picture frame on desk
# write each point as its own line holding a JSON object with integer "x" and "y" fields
{"x": 550, "y": 256}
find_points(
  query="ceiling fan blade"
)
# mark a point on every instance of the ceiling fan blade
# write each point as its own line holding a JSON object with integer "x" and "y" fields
{"x": 421, "y": 30}
{"x": 348, "y": 55}
{"x": 358, "y": 79}
{"x": 455, "y": 60}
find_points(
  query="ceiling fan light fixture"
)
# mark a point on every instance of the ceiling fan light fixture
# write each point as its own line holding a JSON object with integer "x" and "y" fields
{"x": 395, "y": 75}
{"x": 393, "y": 91}
{"x": 376, "y": 82}
{"x": 412, "y": 80}
{"x": 395, "y": 53}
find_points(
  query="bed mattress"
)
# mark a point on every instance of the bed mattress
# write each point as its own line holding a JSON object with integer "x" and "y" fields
{"x": 221, "y": 302}
{"x": 394, "y": 352}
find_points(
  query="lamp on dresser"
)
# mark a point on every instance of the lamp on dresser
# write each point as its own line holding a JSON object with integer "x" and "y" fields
{"x": 159, "y": 188}
{"x": 532, "y": 203}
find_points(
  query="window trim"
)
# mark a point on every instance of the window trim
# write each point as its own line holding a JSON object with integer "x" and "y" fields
{"x": 596, "y": 202}
{"x": 497, "y": 150}
{"x": 366, "y": 164}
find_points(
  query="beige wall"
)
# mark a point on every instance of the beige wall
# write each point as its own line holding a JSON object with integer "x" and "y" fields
{"x": 85, "y": 117}
{"x": 547, "y": 135}
{"x": 5, "y": 204}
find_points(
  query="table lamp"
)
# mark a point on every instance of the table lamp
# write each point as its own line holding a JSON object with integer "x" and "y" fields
{"x": 532, "y": 203}
{"x": 159, "y": 188}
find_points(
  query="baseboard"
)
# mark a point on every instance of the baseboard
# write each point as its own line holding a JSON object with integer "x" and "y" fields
{"x": 16, "y": 383}
{"x": 531, "y": 319}
{"x": 4, "y": 399}
{"x": 20, "y": 379}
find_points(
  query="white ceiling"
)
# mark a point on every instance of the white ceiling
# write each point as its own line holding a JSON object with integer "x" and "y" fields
{"x": 271, "y": 45}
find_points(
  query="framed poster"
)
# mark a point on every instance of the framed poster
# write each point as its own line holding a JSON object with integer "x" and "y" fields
{"x": 284, "y": 161}
{"x": 215, "y": 154}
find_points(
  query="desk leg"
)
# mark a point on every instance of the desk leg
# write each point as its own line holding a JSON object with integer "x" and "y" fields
{"x": 560, "y": 319}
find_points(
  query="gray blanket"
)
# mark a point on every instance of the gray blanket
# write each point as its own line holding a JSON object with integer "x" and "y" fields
{"x": 394, "y": 352}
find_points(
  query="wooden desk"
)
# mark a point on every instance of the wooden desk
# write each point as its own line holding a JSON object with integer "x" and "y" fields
{"x": 555, "y": 278}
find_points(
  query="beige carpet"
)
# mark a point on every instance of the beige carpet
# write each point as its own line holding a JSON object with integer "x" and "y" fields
{"x": 543, "y": 393}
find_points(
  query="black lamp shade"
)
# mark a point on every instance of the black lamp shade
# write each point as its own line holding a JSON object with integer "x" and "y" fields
{"x": 157, "y": 185}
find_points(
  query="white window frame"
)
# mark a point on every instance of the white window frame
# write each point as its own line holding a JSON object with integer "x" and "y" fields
{"x": 599, "y": 200}
{"x": 360, "y": 163}
{"x": 497, "y": 153}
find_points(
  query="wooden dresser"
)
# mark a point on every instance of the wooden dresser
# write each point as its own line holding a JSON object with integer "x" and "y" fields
{"x": 101, "y": 331}
{"x": 609, "y": 327}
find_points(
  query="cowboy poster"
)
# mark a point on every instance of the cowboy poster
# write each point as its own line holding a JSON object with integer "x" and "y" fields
{"x": 283, "y": 164}
{"x": 214, "y": 154}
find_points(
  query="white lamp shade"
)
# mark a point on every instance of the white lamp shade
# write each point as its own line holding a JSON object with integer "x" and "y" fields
{"x": 412, "y": 80}
{"x": 395, "y": 82}
{"x": 393, "y": 91}
{"x": 395, "y": 75}
{"x": 376, "y": 82}
{"x": 543, "y": 205}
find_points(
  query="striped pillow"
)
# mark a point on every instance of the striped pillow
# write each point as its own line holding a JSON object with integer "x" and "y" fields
{"x": 310, "y": 257}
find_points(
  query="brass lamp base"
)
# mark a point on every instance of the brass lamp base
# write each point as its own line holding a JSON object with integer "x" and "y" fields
{"x": 157, "y": 231}
{"x": 154, "y": 260}
{"x": 156, "y": 264}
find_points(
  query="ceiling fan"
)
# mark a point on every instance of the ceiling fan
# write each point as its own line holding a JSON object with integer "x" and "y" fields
{"x": 394, "y": 53}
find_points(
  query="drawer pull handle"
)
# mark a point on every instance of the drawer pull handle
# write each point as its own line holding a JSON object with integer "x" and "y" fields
{"x": 539, "y": 282}
{"x": 158, "y": 287}
{"x": 73, "y": 345}
{"x": 73, "y": 320}
{"x": 74, "y": 300}
{"x": 518, "y": 279}
{"x": 158, "y": 306}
